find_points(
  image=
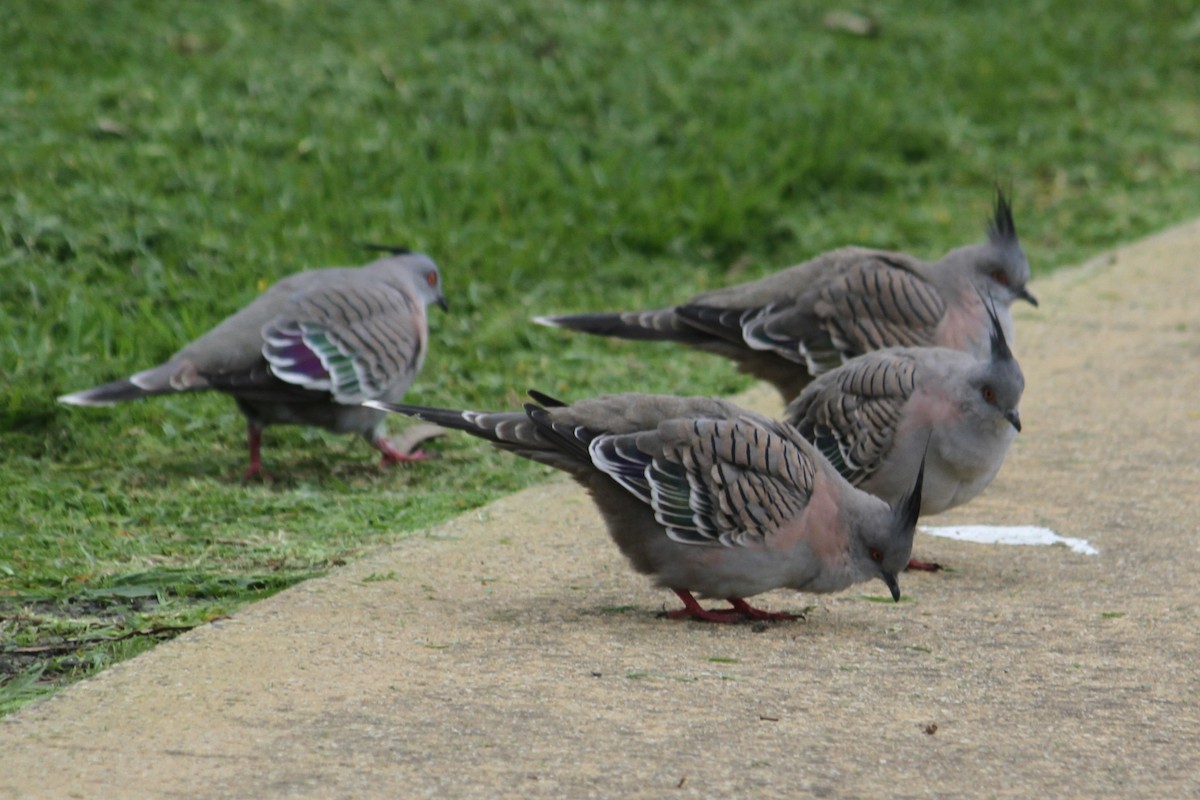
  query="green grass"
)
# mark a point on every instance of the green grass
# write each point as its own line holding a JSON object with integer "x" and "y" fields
{"x": 161, "y": 162}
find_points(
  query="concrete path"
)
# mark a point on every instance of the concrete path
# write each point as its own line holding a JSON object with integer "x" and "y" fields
{"x": 511, "y": 653}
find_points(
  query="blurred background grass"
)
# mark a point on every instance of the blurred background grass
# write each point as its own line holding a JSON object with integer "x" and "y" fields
{"x": 161, "y": 163}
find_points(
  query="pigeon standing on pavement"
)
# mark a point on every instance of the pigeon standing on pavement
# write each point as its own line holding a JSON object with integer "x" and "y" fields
{"x": 881, "y": 416}
{"x": 707, "y": 497}
{"x": 308, "y": 351}
{"x": 789, "y": 327}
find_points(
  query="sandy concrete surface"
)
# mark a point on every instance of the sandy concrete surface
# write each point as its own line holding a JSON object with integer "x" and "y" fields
{"x": 513, "y": 653}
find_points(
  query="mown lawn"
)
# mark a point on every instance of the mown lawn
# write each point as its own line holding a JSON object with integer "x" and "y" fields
{"x": 160, "y": 163}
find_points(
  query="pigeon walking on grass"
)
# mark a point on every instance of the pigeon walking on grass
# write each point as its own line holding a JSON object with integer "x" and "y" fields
{"x": 789, "y": 327}
{"x": 308, "y": 351}
{"x": 706, "y": 497}
{"x": 881, "y": 416}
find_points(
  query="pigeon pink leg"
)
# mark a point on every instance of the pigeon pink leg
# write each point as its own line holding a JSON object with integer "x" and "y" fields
{"x": 254, "y": 442}
{"x": 742, "y": 607}
{"x": 739, "y": 613}
{"x": 393, "y": 456}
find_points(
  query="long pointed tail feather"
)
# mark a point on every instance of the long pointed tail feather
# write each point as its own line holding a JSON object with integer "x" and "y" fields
{"x": 657, "y": 325}
{"x": 109, "y": 394}
{"x": 456, "y": 419}
{"x": 530, "y": 433}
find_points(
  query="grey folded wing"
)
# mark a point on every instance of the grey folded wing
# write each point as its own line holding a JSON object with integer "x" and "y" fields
{"x": 851, "y": 415}
{"x": 356, "y": 341}
{"x": 880, "y": 302}
{"x": 713, "y": 481}
{"x": 872, "y": 302}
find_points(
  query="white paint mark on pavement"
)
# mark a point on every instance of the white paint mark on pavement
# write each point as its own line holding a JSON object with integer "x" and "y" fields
{"x": 1011, "y": 534}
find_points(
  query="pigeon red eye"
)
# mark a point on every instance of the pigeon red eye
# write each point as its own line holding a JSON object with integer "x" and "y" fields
{"x": 431, "y": 278}
{"x": 875, "y": 554}
{"x": 989, "y": 394}
{"x": 1000, "y": 277}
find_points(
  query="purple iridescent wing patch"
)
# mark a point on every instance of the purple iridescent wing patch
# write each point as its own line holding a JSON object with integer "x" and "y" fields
{"x": 290, "y": 353}
{"x": 305, "y": 354}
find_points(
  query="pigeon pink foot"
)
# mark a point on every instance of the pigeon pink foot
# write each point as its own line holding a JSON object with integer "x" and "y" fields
{"x": 742, "y": 607}
{"x": 740, "y": 612}
{"x": 391, "y": 455}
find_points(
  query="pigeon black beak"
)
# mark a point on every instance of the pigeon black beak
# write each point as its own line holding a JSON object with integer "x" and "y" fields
{"x": 892, "y": 584}
{"x": 1025, "y": 295}
{"x": 1014, "y": 419}
{"x": 443, "y": 305}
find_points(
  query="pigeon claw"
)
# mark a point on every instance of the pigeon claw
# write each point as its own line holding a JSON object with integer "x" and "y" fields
{"x": 750, "y": 611}
{"x": 396, "y": 457}
{"x": 704, "y": 615}
{"x": 923, "y": 566}
{"x": 741, "y": 611}
{"x": 408, "y": 446}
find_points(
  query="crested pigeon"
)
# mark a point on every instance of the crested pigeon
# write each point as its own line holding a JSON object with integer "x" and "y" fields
{"x": 882, "y": 414}
{"x": 707, "y": 497}
{"x": 791, "y": 326}
{"x": 308, "y": 351}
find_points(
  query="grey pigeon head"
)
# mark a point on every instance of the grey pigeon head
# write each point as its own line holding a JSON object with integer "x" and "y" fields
{"x": 997, "y": 268}
{"x": 416, "y": 271}
{"x": 886, "y": 550}
{"x": 999, "y": 382}
{"x": 1004, "y": 269}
